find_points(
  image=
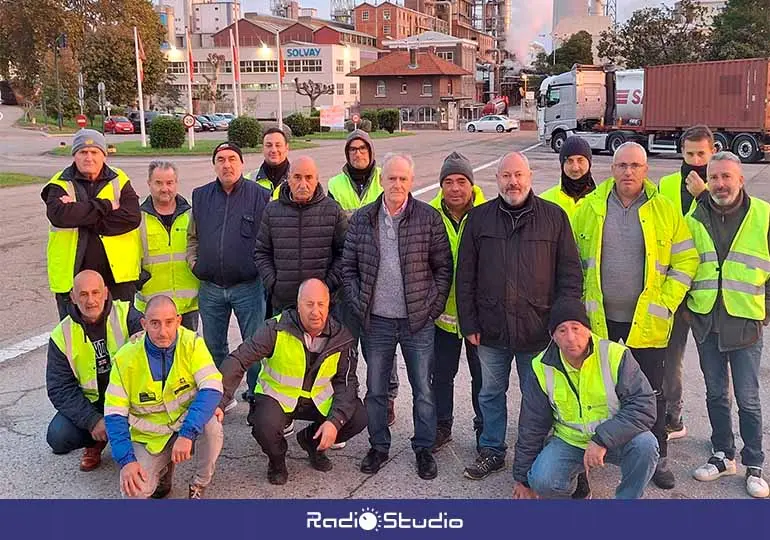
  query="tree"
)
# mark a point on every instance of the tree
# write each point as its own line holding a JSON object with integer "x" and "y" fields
{"x": 67, "y": 87}
{"x": 577, "y": 49}
{"x": 657, "y": 36}
{"x": 742, "y": 30}
{"x": 313, "y": 90}
{"x": 216, "y": 61}
{"x": 168, "y": 94}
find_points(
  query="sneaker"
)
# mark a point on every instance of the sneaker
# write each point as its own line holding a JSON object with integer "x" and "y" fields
{"x": 583, "y": 490}
{"x": 391, "y": 412}
{"x": 676, "y": 430}
{"x": 426, "y": 464}
{"x": 196, "y": 491}
{"x": 373, "y": 461}
{"x": 339, "y": 445}
{"x": 717, "y": 465}
{"x": 486, "y": 463}
{"x": 443, "y": 436}
{"x": 232, "y": 405}
{"x": 92, "y": 457}
{"x": 165, "y": 483}
{"x": 277, "y": 474}
{"x": 663, "y": 477}
{"x": 318, "y": 460}
{"x": 288, "y": 429}
{"x": 755, "y": 484}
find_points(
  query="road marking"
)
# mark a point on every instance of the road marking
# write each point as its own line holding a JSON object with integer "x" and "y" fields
{"x": 29, "y": 345}
{"x": 431, "y": 187}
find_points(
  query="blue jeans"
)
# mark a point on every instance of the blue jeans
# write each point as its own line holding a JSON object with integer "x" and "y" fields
{"x": 495, "y": 375}
{"x": 744, "y": 365}
{"x": 379, "y": 348}
{"x": 63, "y": 436}
{"x": 216, "y": 303}
{"x": 554, "y": 473}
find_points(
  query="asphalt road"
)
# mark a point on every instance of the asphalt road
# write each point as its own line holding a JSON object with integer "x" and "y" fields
{"x": 30, "y": 470}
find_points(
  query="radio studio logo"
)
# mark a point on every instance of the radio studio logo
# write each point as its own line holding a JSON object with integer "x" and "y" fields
{"x": 370, "y": 519}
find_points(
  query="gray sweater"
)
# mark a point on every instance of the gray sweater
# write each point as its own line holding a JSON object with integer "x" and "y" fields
{"x": 389, "y": 299}
{"x": 622, "y": 266}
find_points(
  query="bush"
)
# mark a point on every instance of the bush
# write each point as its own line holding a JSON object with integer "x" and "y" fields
{"x": 314, "y": 113}
{"x": 300, "y": 124}
{"x": 364, "y": 125}
{"x": 166, "y": 132}
{"x": 245, "y": 131}
{"x": 267, "y": 124}
{"x": 372, "y": 116}
{"x": 389, "y": 119}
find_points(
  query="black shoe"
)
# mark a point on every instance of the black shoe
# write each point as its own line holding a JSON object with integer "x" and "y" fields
{"x": 165, "y": 482}
{"x": 277, "y": 474}
{"x": 583, "y": 490}
{"x": 663, "y": 477}
{"x": 318, "y": 460}
{"x": 426, "y": 464}
{"x": 487, "y": 463}
{"x": 443, "y": 436}
{"x": 373, "y": 461}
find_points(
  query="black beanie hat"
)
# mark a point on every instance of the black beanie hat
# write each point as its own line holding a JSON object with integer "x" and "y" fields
{"x": 568, "y": 309}
{"x": 456, "y": 163}
{"x": 227, "y": 145}
{"x": 575, "y": 146}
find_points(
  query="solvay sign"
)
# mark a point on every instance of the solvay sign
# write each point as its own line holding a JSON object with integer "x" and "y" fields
{"x": 370, "y": 519}
{"x": 304, "y": 52}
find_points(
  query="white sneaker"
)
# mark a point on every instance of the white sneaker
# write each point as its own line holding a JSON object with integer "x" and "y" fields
{"x": 755, "y": 484}
{"x": 232, "y": 405}
{"x": 338, "y": 445}
{"x": 288, "y": 430}
{"x": 717, "y": 465}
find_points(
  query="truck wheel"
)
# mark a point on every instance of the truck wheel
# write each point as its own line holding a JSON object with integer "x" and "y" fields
{"x": 557, "y": 141}
{"x": 745, "y": 146}
{"x": 614, "y": 141}
{"x": 720, "y": 142}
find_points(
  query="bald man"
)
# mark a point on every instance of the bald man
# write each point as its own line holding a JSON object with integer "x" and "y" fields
{"x": 308, "y": 373}
{"x": 79, "y": 361}
{"x": 517, "y": 256}
{"x": 301, "y": 236}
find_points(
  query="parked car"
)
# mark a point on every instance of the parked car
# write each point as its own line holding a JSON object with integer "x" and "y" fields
{"x": 493, "y": 122}
{"x": 118, "y": 124}
{"x": 227, "y": 116}
{"x": 149, "y": 116}
{"x": 219, "y": 122}
{"x": 206, "y": 124}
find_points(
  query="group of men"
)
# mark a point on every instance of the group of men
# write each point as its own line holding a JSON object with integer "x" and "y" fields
{"x": 555, "y": 282}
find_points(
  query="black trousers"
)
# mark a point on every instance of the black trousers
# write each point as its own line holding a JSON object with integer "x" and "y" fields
{"x": 268, "y": 421}
{"x": 652, "y": 362}
{"x": 120, "y": 291}
{"x": 447, "y": 348}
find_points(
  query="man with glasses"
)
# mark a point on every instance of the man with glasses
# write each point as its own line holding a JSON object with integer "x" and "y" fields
{"x": 638, "y": 261}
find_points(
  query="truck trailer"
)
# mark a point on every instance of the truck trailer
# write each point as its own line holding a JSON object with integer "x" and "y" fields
{"x": 655, "y": 105}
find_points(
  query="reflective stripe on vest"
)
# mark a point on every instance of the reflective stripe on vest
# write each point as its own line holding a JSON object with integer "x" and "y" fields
{"x": 744, "y": 271}
{"x": 164, "y": 258}
{"x": 341, "y": 188}
{"x": 123, "y": 250}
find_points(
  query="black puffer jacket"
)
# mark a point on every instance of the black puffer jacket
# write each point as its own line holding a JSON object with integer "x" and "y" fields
{"x": 298, "y": 242}
{"x": 426, "y": 261}
{"x": 512, "y": 266}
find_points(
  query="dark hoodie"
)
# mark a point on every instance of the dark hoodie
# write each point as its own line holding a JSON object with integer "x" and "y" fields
{"x": 359, "y": 178}
{"x": 63, "y": 389}
{"x": 298, "y": 242}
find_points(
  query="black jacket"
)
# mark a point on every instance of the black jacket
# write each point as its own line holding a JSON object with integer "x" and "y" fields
{"x": 182, "y": 206}
{"x": 223, "y": 231}
{"x": 510, "y": 271}
{"x": 536, "y": 417}
{"x": 262, "y": 345}
{"x": 93, "y": 217}
{"x": 298, "y": 242}
{"x": 426, "y": 261}
{"x": 63, "y": 389}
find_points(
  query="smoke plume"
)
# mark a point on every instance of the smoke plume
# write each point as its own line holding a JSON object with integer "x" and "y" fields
{"x": 529, "y": 19}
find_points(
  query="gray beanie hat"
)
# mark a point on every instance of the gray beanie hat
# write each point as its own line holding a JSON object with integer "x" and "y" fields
{"x": 89, "y": 138}
{"x": 456, "y": 163}
{"x": 362, "y": 135}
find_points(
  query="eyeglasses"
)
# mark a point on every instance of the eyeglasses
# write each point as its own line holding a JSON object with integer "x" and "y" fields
{"x": 634, "y": 167}
{"x": 359, "y": 149}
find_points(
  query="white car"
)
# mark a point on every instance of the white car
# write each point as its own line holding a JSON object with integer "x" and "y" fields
{"x": 493, "y": 122}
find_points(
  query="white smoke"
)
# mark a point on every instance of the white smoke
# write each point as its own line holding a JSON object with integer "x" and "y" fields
{"x": 530, "y": 21}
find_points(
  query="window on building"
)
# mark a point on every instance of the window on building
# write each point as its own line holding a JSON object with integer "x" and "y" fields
{"x": 340, "y": 65}
{"x": 353, "y": 65}
{"x": 365, "y": 15}
{"x": 228, "y": 66}
{"x": 407, "y": 115}
{"x": 353, "y": 89}
{"x": 176, "y": 67}
{"x": 340, "y": 89}
{"x": 386, "y": 29}
{"x": 386, "y": 14}
{"x": 380, "y": 88}
{"x": 303, "y": 66}
{"x": 449, "y": 56}
{"x": 449, "y": 88}
{"x": 259, "y": 66}
{"x": 404, "y": 86}
{"x": 427, "y": 88}
{"x": 260, "y": 87}
{"x": 426, "y": 114}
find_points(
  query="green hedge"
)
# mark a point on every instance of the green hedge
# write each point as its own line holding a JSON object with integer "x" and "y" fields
{"x": 300, "y": 124}
{"x": 372, "y": 116}
{"x": 389, "y": 119}
{"x": 166, "y": 132}
{"x": 245, "y": 131}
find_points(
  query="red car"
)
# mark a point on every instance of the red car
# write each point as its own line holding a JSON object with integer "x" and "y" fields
{"x": 118, "y": 124}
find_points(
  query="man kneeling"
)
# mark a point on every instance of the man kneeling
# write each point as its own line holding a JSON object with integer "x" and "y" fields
{"x": 600, "y": 405}
{"x": 308, "y": 373}
{"x": 166, "y": 387}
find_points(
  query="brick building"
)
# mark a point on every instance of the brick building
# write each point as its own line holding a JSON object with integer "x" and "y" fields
{"x": 391, "y": 21}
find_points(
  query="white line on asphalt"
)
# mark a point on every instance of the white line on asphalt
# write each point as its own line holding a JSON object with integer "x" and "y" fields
{"x": 29, "y": 345}
{"x": 431, "y": 187}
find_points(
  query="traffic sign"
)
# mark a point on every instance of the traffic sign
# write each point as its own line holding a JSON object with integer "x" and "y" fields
{"x": 81, "y": 120}
{"x": 356, "y": 119}
{"x": 188, "y": 121}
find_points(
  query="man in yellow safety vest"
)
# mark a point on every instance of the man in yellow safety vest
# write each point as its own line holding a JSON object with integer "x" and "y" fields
{"x": 274, "y": 170}
{"x": 576, "y": 178}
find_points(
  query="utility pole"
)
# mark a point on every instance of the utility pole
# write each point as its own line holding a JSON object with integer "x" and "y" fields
{"x": 60, "y": 41}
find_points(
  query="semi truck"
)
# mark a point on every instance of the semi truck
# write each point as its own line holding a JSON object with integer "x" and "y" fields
{"x": 653, "y": 106}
